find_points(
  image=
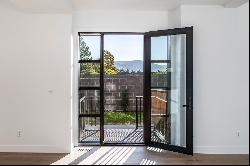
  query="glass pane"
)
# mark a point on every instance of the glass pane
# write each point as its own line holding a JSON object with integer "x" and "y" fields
{"x": 89, "y": 102}
{"x": 159, "y": 48}
{"x": 90, "y": 47}
{"x": 168, "y": 116}
{"x": 123, "y": 90}
{"x": 89, "y": 130}
{"x": 178, "y": 90}
{"x": 159, "y": 119}
{"x": 159, "y": 74}
{"x": 90, "y": 75}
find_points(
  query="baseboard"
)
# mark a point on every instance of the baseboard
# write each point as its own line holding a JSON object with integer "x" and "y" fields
{"x": 221, "y": 149}
{"x": 33, "y": 149}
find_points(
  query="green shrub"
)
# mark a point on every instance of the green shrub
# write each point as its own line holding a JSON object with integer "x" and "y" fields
{"x": 120, "y": 117}
{"x": 125, "y": 100}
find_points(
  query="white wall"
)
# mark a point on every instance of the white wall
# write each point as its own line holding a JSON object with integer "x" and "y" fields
{"x": 174, "y": 18}
{"x": 34, "y": 81}
{"x": 221, "y": 77}
{"x": 120, "y": 21}
{"x": 242, "y": 73}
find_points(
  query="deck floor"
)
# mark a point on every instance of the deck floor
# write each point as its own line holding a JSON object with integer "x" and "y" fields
{"x": 114, "y": 134}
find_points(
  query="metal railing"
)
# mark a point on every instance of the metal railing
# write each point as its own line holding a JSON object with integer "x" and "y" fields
{"x": 89, "y": 106}
{"x": 139, "y": 110}
{"x": 158, "y": 106}
{"x": 161, "y": 121}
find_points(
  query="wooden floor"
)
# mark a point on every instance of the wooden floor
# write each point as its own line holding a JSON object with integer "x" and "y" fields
{"x": 129, "y": 155}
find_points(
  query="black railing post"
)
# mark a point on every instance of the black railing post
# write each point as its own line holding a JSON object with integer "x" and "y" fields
{"x": 95, "y": 111}
{"x": 140, "y": 109}
{"x": 136, "y": 112}
{"x": 91, "y": 109}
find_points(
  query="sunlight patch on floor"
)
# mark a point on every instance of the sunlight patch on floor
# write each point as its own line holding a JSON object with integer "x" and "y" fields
{"x": 147, "y": 162}
{"x": 93, "y": 158}
{"x": 109, "y": 156}
{"x": 154, "y": 149}
{"x": 76, "y": 153}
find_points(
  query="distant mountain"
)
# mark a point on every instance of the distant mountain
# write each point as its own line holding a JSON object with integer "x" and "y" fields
{"x": 136, "y": 65}
{"x": 130, "y": 65}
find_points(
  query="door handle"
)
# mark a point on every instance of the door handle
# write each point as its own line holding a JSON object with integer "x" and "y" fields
{"x": 187, "y": 106}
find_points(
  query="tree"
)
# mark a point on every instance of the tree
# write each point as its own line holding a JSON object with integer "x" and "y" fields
{"x": 92, "y": 68}
{"x": 109, "y": 63}
{"x": 125, "y": 100}
{"x": 138, "y": 72}
{"x": 132, "y": 72}
{"x": 161, "y": 72}
{"x": 85, "y": 54}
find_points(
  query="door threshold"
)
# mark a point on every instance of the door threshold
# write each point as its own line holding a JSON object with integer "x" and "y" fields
{"x": 109, "y": 144}
{"x": 123, "y": 144}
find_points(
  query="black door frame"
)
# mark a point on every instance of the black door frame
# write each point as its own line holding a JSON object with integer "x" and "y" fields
{"x": 147, "y": 84}
{"x": 189, "y": 89}
{"x": 101, "y": 88}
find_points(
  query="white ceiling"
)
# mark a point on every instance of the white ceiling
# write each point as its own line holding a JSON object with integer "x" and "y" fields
{"x": 146, "y": 4}
{"x": 43, "y": 6}
{"x": 56, "y": 6}
{"x": 225, "y": 3}
{"x": 125, "y": 4}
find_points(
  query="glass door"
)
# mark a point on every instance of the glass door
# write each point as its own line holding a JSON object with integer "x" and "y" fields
{"x": 168, "y": 92}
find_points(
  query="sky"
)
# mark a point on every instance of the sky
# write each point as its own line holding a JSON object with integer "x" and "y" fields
{"x": 127, "y": 47}
{"x": 124, "y": 47}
